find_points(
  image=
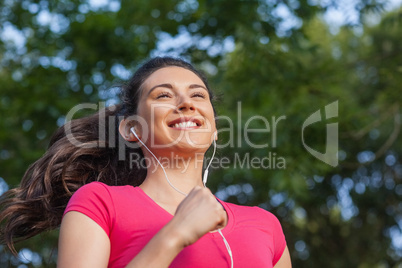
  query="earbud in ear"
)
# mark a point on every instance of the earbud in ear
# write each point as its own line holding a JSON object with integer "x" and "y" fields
{"x": 133, "y": 131}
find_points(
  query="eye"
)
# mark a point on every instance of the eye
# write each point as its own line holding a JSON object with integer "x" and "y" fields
{"x": 199, "y": 95}
{"x": 163, "y": 95}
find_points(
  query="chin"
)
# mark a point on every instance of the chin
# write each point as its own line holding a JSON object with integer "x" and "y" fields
{"x": 188, "y": 149}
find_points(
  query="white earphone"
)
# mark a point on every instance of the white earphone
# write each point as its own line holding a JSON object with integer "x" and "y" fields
{"x": 133, "y": 131}
{"x": 205, "y": 177}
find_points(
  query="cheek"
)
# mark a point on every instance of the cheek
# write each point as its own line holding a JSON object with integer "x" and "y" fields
{"x": 209, "y": 113}
{"x": 149, "y": 110}
{"x": 154, "y": 116}
{"x": 145, "y": 119}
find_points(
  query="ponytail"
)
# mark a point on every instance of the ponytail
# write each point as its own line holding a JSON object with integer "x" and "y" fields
{"x": 38, "y": 204}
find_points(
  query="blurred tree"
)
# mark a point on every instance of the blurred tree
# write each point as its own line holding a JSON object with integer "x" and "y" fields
{"x": 278, "y": 58}
{"x": 349, "y": 216}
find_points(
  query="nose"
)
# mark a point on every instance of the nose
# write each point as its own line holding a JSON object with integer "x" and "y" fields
{"x": 185, "y": 104}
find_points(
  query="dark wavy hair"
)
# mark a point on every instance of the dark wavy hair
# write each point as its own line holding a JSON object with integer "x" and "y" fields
{"x": 37, "y": 205}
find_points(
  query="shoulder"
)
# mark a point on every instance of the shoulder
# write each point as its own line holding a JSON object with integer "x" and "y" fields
{"x": 96, "y": 201}
{"x": 264, "y": 223}
{"x": 252, "y": 211}
{"x": 91, "y": 191}
{"x": 96, "y": 194}
{"x": 99, "y": 189}
{"x": 102, "y": 195}
{"x": 254, "y": 214}
{"x": 94, "y": 186}
{"x": 90, "y": 194}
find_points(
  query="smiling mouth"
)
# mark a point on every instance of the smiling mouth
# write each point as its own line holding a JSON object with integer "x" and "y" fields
{"x": 185, "y": 123}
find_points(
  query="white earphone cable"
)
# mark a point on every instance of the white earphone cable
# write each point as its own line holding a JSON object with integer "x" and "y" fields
{"x": 164, "y": 171}
{"x": 227, "y": 248}
{"x": 219, "y": 230}
{"x": 204, "y": 181}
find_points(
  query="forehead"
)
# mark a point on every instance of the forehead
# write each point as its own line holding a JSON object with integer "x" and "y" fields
{"x": 176, "y": 76}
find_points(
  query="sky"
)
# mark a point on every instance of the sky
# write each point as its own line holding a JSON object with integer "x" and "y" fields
{"x": 334, "y": 17}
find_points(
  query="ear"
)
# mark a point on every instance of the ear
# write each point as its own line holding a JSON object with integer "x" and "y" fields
{"x": 125, "y": 132}
{"x": 216, "y": 135}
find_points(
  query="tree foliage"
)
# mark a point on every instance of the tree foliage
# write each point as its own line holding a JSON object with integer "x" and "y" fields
{"x": 57, "y": 54}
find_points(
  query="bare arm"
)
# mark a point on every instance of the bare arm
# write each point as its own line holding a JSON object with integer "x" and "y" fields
{"x": 83, "y": 243}
{"x": 284, "y": 261}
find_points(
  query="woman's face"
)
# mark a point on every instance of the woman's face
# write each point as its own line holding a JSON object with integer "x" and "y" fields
{"x": 177, "y": 112}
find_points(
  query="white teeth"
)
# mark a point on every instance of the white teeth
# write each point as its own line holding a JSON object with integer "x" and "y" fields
{"x": 185, "y": 124}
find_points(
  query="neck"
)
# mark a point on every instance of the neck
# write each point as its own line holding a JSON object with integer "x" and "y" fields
{"x": 184, "y": 173}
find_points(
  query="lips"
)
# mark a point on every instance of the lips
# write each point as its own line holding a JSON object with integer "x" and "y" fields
{"x": 185, "y": 122}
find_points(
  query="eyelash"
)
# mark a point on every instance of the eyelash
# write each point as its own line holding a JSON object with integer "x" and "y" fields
{"x": 168, "y": 95}
{"x": 198, "y": 94}
{"x": 163, "y": 95}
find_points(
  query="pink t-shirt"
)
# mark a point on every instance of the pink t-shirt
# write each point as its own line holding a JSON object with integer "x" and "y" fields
{"x": 131, "y": 218}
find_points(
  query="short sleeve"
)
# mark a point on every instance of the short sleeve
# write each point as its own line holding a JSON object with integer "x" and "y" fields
{"x": 93, "y": 200}
{"x": 279, "y": 239}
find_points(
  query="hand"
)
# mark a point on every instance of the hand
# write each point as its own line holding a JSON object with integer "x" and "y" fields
{"x": 198, "y": 214}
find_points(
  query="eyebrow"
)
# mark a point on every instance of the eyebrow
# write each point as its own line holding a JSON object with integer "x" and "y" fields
{"x": 171, "y": 87}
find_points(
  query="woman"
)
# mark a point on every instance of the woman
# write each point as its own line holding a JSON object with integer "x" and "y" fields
{"x": 168, "y": 218}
